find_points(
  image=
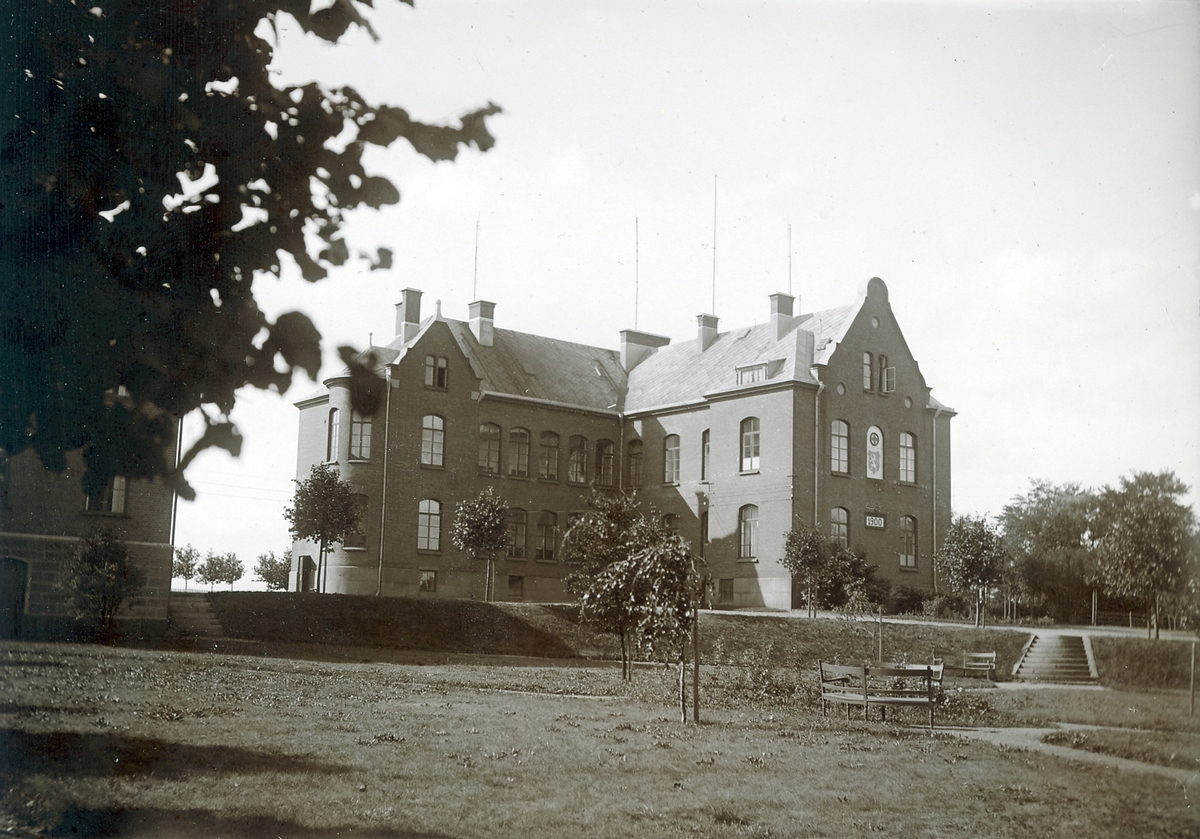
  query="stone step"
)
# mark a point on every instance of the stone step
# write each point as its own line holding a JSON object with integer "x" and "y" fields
{"x": 1056, "y": 659}
{"x": 192, "y": 614}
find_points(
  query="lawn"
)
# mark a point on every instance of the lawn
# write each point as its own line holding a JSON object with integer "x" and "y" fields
{"x": 137, "y": 742}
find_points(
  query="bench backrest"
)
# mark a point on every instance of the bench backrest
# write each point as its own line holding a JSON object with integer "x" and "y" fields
{"x": 834, "y": 672}
{"x": 979, "y": 659}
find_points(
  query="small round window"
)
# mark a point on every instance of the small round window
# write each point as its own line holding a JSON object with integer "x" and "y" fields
{"x": 874, "y": 323}
{"x": 908, "y": 402}
{"x": 841, "y": 389}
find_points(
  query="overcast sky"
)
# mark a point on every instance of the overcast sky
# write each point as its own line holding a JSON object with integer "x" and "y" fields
{"x": 1025, "y": 179}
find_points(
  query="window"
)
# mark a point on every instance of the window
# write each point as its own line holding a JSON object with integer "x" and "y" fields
{"x": 429, "y": 525}
{"x": 704, "y": 533}
{"x": 725, "y": 590}
{"x": 547, "y": 528}
{"x": 433, "y": 441}
{"x": 839, "y": 526}
{"x": 671, "y": 459}
{"x": 518, "y": 519}
{"x": 868, "y": 371}
{"x": 518, "y": 453}
{"x": 577, "y": 460}
{"x": 704, "y": 447}
{"x": 670, "y": 523}
{"x": 429, "y": 581}
{"x": 357, "y": 538}
{"x": 875, "y": 453}
{"x": 635, "y": 463}
{"x": 908, "y": 458}
{"x": 604, "y": 463}
{"x": 110, "y": 500}
{"x": 548, "y": 456}
{"x": 886, "y": 375}
{"x": 360, "y": 436}
{"x": 436, "y": 372}
{"x": 331, "y": 438}
{"x": 516, "y": 588}
{"x": 750, "y": 375}
{"x": 489, "y": 449}
{"x": 908, "y": 554}
{"x": 750, "y": 438}
{"x": 748, "y": 532}
{"x": 839, "y": 447}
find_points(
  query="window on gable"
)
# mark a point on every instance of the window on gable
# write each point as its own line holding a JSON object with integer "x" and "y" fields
{"x": 704, "y": 449}
{"x": 750, "y": 444}
{"x": 908, "y": 458}
{"x": 635, "y": 463}
{"x": 357, "y": 538}
{"x": 437, "y": 371}
{"x": 868, "y": 371}
{"x": 360, "y": 436}
{"x": 577, "y": 460}
{"x": 547, "y": 535}
{"x": 331, "y": 436}
{"x": 908, "y": 552}
{"x": 548, "y": 456}
{"x": 887, "y": 376}
{"x": 110, "y": 500}
{"x": 518, "y": 520}
{"x": 429, "y": 525}
{"x": 839, "y": 447}
{"x": 839, "y": 526}
{"x": 748, "y": 532}
{"x": 489, "y": 449}
{"x": 518, "y": 452}
{"x": 671, "y": 459}
{"x": 433, "y": 440}
{"x": 604, "y": 464}
{"x": 750, "y": 375}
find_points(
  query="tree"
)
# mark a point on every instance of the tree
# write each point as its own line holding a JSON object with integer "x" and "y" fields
{"x": 1048, "y": 533}
{"x": 323, "y": 510}
{"x": 221, "y": 568}
{"x": 152, "y": 171}
{"x": 833, "y": 576}
{"x": 481, "y": 529}
{"x": 99, "y": 579}
{"x": 274, "y": 571}
{"x": 972, "y": 558}
{"x": 805, "y": 555}
{"x": 1145, "y": 537}
{"x": 185, "y": 563}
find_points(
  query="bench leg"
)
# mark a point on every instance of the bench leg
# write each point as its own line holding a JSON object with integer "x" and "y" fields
{"x": 882, "y": 713}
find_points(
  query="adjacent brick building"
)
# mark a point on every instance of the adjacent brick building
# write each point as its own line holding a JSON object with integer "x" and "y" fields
{"x": 735, "y": 437}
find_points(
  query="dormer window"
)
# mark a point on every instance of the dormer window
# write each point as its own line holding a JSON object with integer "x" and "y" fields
{"x": 752, "y": 374}
{"x": 437, "y": 371}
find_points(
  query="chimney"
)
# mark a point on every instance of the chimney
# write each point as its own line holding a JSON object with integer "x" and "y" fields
{"x": 781, "y": 314}
{"x": 482, "y": 314}
{"x": 635, "y": 346}
{"x": 708, "y": 330}
{"x": 408, "y": 314}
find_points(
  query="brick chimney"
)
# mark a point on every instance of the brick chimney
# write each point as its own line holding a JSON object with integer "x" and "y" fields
{"x": 781, "y": 314}
{"x": 635, "y": 346}
{"x": 482, "y": 315}
{"x": 708, "y": 330}
{"x": 408, "y": 314}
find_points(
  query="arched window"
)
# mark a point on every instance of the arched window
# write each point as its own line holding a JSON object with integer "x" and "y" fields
{"x": 517, "y": 522}
{"x": 705, "y": 438}
{"x": 331, "y": 436}
{"x": 489, "y": 449}
{"x": 429, "y": 525}
{"x": 518, "y": 452}
{"x": 547, "y": 534}
{"x": 908, "y": 552}
{"x": 750, "y": 447}
{"x": 604, "y": 463}
{"x": 577, "y": 460}
{"x": 360, "y": 436}
{"x": 358, "y": 537}
{"x": 433, "y": 440}
{"x": 748, "y": 532}
{"x": 671, "y": 459}
{"x": 868, "y": 371}
{"x": 548, "y": 456}
{"x": 875, "y": 453}
{"x": 908, "y": 458}
{"x": 839, "y": 447}
{"x": 635, "y": 463}
{"x": 839, "y": 526}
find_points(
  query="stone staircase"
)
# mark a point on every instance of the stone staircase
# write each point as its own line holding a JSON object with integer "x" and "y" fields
{"x": 1061, "y": 659}
{"x": 191, "y": 615}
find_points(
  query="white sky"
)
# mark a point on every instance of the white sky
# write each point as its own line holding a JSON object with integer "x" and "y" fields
{"x": 1025, "y": 178}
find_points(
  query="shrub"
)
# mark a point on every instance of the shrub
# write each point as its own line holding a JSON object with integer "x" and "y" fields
{"x": 98, "y": 580}
{"x": 905, "y": 600}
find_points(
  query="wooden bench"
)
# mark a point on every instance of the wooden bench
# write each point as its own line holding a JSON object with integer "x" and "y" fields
{"x": 984, "y": 663}
{"x": 883, "y": 685}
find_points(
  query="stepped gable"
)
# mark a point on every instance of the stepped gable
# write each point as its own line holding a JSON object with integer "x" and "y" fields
{"x": 686, "y": 373}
